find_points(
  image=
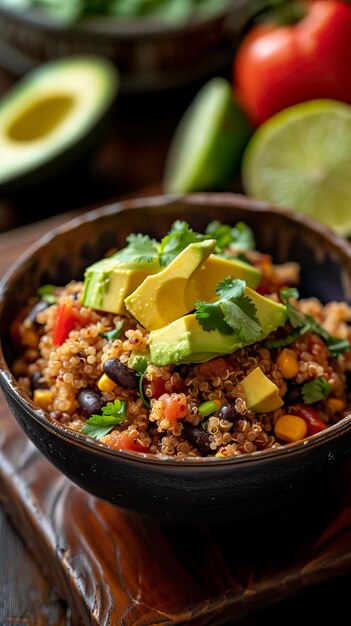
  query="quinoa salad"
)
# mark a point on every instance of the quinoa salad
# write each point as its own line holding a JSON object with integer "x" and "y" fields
{"x": 197, "y": 345}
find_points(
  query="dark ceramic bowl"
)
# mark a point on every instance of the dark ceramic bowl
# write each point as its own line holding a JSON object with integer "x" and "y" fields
{"x": 196, "y": 489}
{"x": 150, "y": 55}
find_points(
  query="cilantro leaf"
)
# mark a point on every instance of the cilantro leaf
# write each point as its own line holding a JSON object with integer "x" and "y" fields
{"x": 179, "y": 237}
{"x": 210, "y": 316}
{"x": 282, "y": 342}
{"x": 306, "y": 323}
{"x": 233, "y": 311}
{"x": 140, "y": 249}
{"x": 238, "y": 237}
{"x": 315, "y": 390}
{"x": 113, "y": 413}
{"x": 140, "y": 366}
{"x": 115, "y": 333}
{"x": 296, "y": 318}
{"x": 46, "y": 293}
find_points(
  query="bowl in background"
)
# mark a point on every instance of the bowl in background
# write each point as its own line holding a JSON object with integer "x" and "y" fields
{"x": 150, "y": 55}
{"x": 191, "y": 490}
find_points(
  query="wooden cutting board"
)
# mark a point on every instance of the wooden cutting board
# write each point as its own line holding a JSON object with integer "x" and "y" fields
{"x": 115, "y": 568}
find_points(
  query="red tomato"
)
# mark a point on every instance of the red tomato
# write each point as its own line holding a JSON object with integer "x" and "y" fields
{"x": 211, "y": 369}
{"x": 158, "y": 388}
{"x": 123, "y": 441}
{"x": 278, "y": 66}
{"x": 314, "y": 423}
{"x": 66, "y": 319}
{"x": 174, "y": 406}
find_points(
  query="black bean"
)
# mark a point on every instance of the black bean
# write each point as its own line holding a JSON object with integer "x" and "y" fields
{"x": 120, "y": 374}
{"x": 229, "y": 413}
{"x": 293, "y": 395}
{"x": 37, "y": 382}
{"x": 90, "y": 401}
{"x": 198, "y": 437}
{"x": 39, "y": 306}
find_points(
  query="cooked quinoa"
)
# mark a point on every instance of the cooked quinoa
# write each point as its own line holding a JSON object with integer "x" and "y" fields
{"x": 64, "y": 374}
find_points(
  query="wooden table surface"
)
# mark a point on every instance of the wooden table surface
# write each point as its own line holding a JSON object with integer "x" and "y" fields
{"x": 130, "y": 159}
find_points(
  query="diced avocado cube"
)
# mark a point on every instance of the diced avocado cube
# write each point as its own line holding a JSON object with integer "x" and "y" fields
{"x": 261, "y": 394}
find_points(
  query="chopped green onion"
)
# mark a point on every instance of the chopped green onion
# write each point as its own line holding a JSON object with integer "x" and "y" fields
{"x": 207, "y": 408}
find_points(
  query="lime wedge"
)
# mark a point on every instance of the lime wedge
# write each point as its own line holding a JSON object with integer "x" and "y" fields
{"x": 208, "y": 142}
{"x": 301, "y": 159}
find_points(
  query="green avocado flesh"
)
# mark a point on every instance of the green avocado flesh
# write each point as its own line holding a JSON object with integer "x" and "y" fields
{"x": 52, "y": 110}
{"x": 162, "y": 298}
{"x": 108, "y": 282}
{"x": 185, "y": 341}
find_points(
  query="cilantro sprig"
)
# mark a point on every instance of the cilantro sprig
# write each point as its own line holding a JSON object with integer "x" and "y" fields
{"x": 315, "y": 390}
{"x": 115, "y": 333}
{"x": 140, "y": 249}
{"x": 232, "y": 311}
{"x": 239, "y": 237}
{"x": 144, "y": 249}
{"x": 140, "y": 366}
{"x": 113, "y": 413}
{"x": 302, "y": 324}
{"x": 179, "y": 237}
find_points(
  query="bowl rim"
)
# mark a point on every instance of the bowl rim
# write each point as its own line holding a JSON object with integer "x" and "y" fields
{"x": 104, "y": 26}
{"x": 12, "y": 387}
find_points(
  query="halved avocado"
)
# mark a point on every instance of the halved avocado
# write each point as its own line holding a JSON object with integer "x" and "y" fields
{"x": 48, "y": 119}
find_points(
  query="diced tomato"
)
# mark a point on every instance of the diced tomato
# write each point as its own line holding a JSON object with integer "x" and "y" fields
{"x": 158, "y": 387}
{"x": 174, "y": 406}
{"x": 66, "y": 319}
{"x": 124, "y": 441}
{"x": 211, "y": 369}
{"x": 314, "y": 422}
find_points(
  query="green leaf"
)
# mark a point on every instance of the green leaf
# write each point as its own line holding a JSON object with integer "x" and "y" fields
{"x": 296, "y": 318}
{"x": 307, "y": 323}
{"x": 210, "y": 316}
{"x": 46, "y": 293}
{"x": 140, "y": 366}
{"x": 239, "y": 237}
{"x": 282, "y": 342}
{"x": 233, "y": 311}
{"x": 315, "y": 390}
{"x": 140, "y": 248}
{"x": 179, "y": 237}
{"x": 113, "y": 413}
{"x": 115, "y": 333}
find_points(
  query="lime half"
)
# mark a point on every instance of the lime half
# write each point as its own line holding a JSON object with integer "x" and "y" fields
{"x": 301, "y": 159}
{"x": 209, "y": 141}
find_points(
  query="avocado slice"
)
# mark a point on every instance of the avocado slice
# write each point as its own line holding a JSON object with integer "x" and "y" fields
{"x": 171, "y": 293}
{"x": 216, "y": 268}
{"x": 108, "y": 282}
{"x": 193, "y": 275}
{"x": 50, "y": 117}
{"x": 261, "y": 394}
{"x": 185, "y": 341}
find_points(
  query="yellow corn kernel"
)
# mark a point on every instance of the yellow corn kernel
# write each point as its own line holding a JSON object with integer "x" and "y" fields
{"x": 290, "y": 428}
{"x": 336, "y": 404}
{"x": 106, "y": 384}
{"x": 43, "y": 398}
{"x": 220, "y": 455}
{"x": 288, "y": 363}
